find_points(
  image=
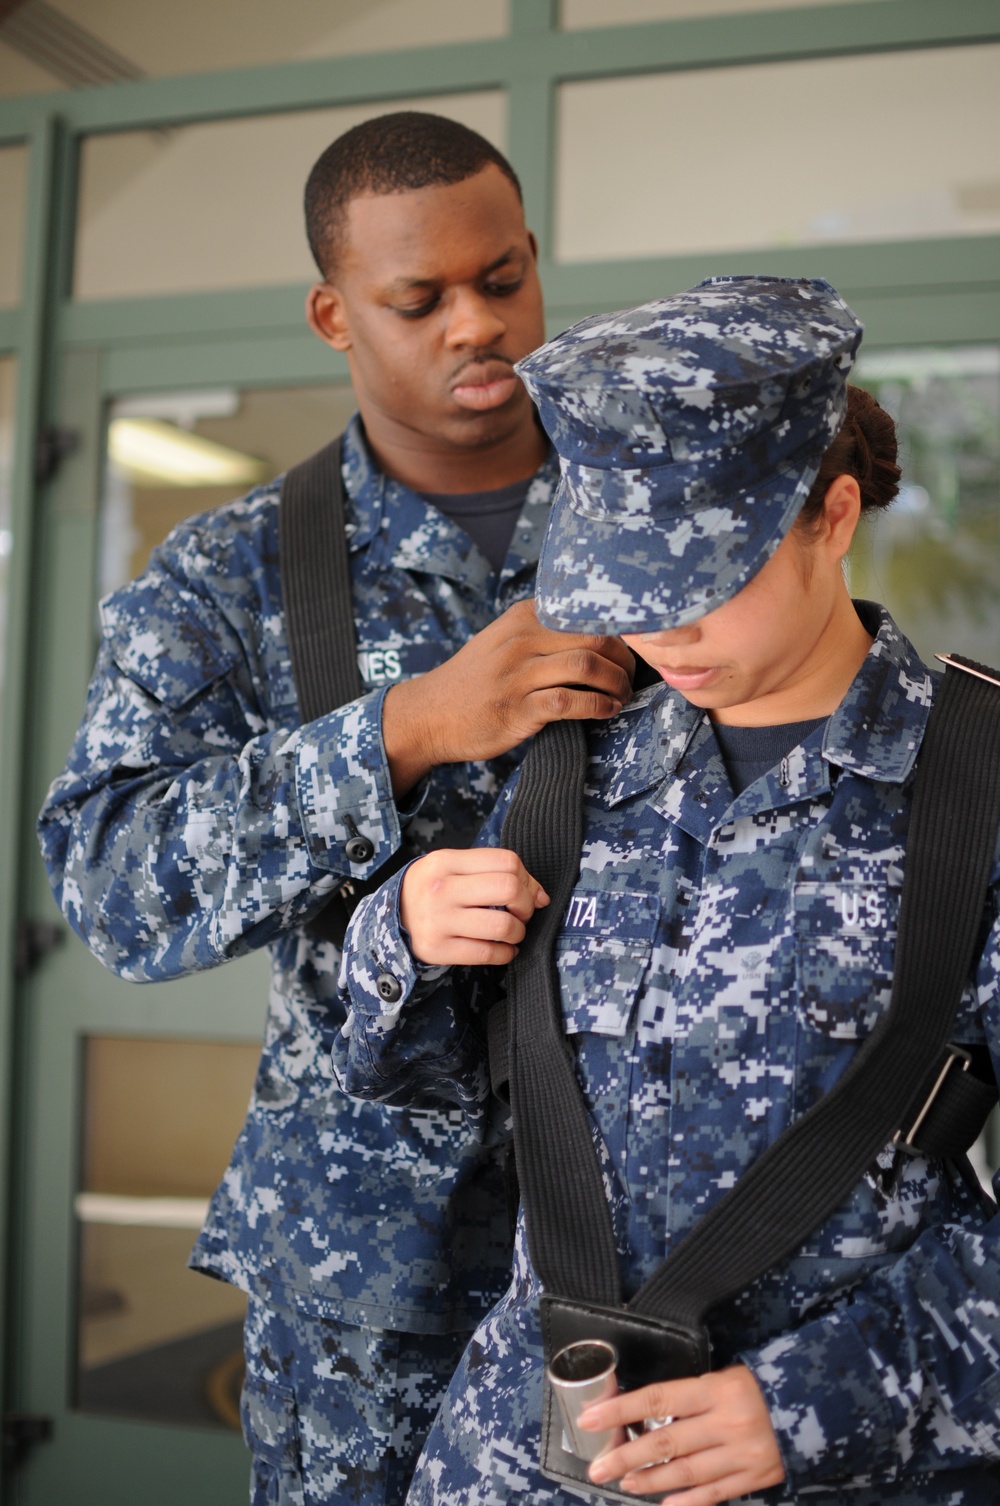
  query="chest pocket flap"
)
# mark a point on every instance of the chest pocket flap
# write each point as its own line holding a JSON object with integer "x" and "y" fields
{"x": 845, "y": 939}
{"x": 602, "y": 955}
{"x": 163, "y": 642}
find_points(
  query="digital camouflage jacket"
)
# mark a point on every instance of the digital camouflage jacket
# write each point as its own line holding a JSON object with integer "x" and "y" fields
{"x": 196, "y": 819}
{"x": 719, "y": 962}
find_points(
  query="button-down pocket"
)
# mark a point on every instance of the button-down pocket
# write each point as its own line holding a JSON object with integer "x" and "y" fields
{"x": 172, "y": 648}
{"x": 271, "y": 1431}
{"x": 845, "y": 938}
{"x": 602, "y": 956}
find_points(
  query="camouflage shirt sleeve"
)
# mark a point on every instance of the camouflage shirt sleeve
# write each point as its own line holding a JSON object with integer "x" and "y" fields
{"x": 185, "y": 829}
{"x": 412, "y": 1029}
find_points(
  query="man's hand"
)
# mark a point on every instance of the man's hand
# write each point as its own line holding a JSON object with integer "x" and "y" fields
{"x": 718, "y": 1444}
{"x": 503, "y": 686}
{"x": 468, "y": 907}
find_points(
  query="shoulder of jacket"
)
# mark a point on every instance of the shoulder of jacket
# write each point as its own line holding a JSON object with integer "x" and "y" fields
{"x": 247, "y": 522}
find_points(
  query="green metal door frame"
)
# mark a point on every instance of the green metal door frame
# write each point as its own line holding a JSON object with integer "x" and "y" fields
{"x": 912, "y": 292}
{"x": 31, "y": 347}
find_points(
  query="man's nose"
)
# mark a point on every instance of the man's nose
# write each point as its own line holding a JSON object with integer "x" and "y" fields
{"x": 473, "y": 321}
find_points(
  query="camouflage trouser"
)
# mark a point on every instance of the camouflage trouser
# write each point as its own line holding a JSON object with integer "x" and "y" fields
{"x": 335, "y": 1415}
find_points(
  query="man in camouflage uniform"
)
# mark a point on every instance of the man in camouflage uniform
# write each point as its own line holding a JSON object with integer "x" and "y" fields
{"x": 729, "y": 940}
{"x": 196, "y": 819}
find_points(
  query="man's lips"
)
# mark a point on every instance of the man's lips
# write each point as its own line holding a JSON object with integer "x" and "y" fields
{"x": 484, "y": 384}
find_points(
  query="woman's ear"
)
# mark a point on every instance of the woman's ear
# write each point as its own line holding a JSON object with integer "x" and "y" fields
{"x": 841, "y": 511}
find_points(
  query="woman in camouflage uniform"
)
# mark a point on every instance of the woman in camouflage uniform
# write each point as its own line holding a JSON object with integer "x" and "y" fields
{"x": 730, "y": 937}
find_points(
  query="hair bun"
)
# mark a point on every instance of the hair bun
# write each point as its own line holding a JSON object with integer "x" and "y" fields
{"x": 865, "y": 448}
{"x": 874, "y": 442}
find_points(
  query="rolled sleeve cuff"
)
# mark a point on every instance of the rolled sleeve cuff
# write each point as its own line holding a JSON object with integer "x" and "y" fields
{"x": 379, "y": 969}
{"x": 349, "y": 816}
{"x": 827, "y": 1405}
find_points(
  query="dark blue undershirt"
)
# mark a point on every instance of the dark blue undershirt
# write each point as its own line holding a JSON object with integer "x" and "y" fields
{"x": 489, "y": 518}
{"x": 749, "y": 752}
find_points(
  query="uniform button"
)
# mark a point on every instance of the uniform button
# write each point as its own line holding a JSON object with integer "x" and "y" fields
{"x": 389, "y": 988}
{"x": 359, "y": 849}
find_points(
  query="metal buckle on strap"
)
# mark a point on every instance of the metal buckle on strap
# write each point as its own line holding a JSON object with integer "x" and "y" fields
{"x": 904, "y": 1139}
{"x": 970, "y": 667}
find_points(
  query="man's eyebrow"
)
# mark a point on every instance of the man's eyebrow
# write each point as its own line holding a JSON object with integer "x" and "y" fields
{"x": 406, "y": 284}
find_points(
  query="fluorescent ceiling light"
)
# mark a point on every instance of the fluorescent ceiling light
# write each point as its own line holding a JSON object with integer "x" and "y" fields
{"x": 183, "y": 407}
{"x": 141, "y": 1212}
{"x": 150, "y": 451}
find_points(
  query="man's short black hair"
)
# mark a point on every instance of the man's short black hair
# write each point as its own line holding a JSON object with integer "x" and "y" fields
{"x": 390, "y": 154}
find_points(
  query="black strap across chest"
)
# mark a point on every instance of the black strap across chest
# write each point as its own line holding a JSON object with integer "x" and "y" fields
{"x": 814, "y": 1164}
{"x": 316, "y": 584}
{"x": 319, "y": 622}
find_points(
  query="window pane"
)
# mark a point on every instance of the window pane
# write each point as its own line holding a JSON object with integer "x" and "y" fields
{"x": 54, "y": 49}
{"x": 155, "y": 1340}
{"x": 576, "y": 14}
{"x": 879, "y": 147}
{"x": 152, "y": 483}
{"x": 8, "y": 371}
{"x": 219, "y": 205}
{"x": 13, "y": 177}
{"x": 934, "y": 557}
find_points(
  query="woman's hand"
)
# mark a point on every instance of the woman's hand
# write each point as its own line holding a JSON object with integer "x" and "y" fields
{"x": 468, "y": 907}
{"x": 719, "y": 1443}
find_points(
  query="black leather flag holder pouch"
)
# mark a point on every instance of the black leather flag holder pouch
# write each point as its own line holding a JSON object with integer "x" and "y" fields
{"x": 817, "y": 1161}
{"x": 648, "y": 1349}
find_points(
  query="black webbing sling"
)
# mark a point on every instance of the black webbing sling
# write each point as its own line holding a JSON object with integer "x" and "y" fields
{"x": 316, "y": 585}
{"x": 319, "y": 620}
{"x": 814, "y": 1164}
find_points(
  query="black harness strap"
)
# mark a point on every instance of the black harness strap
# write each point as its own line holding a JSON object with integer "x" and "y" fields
{"x": 319, "y": 620}
{"x": 562, "y": 1191}
{"x": 316, "y": 585}
{"x": 785, "y": 1195}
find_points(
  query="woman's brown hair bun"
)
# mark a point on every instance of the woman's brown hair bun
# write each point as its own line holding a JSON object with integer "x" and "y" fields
{"x": 865, "y": 448}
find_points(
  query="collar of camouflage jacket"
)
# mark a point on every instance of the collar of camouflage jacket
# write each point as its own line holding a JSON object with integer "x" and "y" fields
{"x": 663, "y": 743}
{"x": 413, "y": 535}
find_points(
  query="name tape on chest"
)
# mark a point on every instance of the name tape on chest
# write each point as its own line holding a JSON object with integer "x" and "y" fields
{"x": 862, "y": 909}
{"x": 581, "y": 913}
{"x": 379, "y": 666}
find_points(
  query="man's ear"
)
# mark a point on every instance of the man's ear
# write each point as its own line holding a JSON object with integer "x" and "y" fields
{"x": 327, "y": 316}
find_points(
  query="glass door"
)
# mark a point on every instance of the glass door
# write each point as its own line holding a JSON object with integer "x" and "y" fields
{"x": 133, "y": 1096}
{"x": 8, "y": 372}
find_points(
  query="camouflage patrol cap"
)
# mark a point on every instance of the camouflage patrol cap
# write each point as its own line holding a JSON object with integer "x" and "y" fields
{"x": 689, "y": 432}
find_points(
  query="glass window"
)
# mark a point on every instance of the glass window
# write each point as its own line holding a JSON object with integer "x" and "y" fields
{"x": 168, "y": 451}
{"x": 13, "y": 180}
{"x": 119, "y": 39}
{"x": 877, "y": 147}
{"x": 156, "y": 1340}
{"x": 219, "y": 205}
{"x": 577, "y": 14}
{"x": 934, "y": 557}
{"x": 8, "y": 371}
